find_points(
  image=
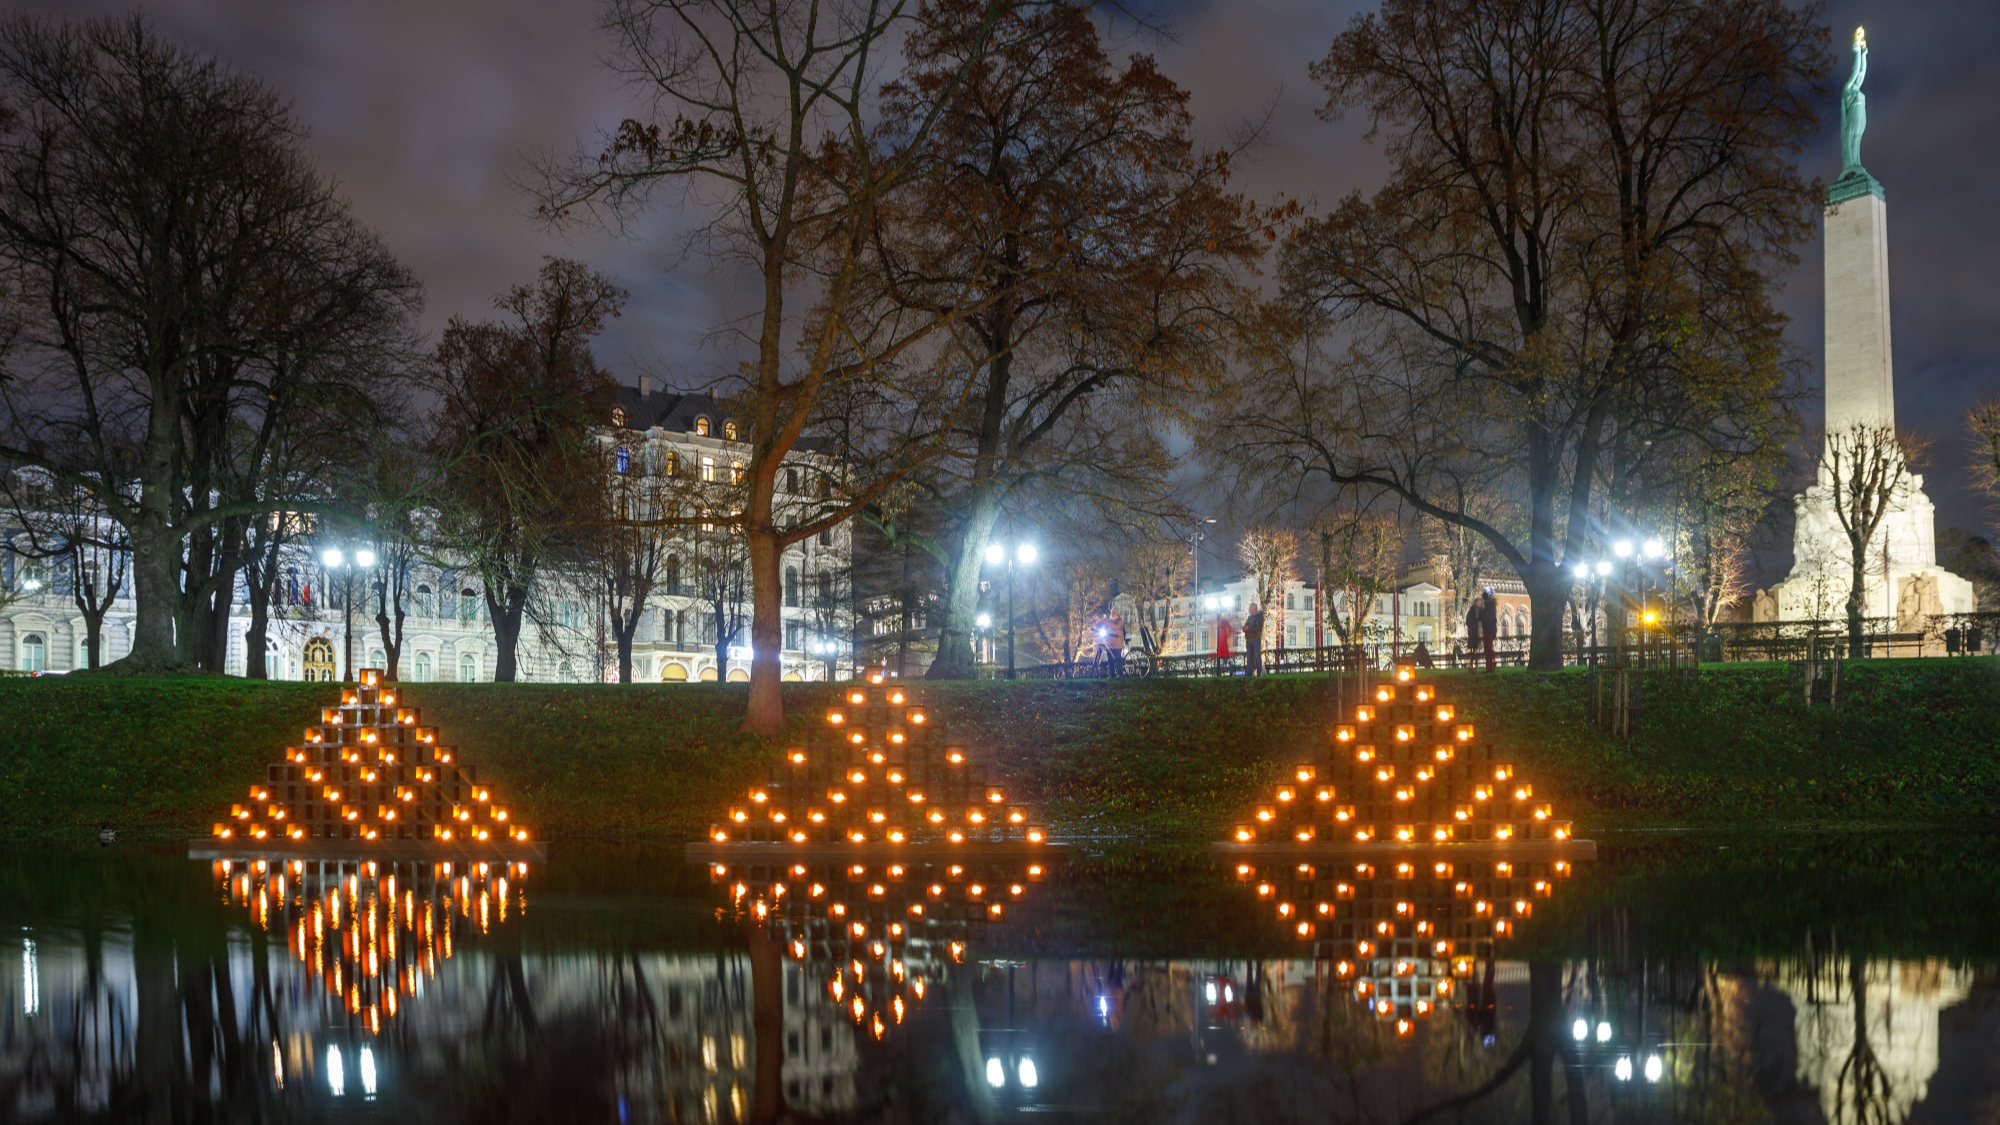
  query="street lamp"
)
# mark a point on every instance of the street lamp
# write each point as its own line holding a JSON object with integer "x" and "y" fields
{"x": 983, "y": 623}
{"x": 334, "y": 559}
{"x": 1023, "y": 554}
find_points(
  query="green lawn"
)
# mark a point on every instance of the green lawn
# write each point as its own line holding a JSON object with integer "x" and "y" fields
{"x": 1165, "y": 760}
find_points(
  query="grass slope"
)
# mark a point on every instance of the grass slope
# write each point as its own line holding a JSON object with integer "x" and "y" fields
{"x": 1167, "y": 760}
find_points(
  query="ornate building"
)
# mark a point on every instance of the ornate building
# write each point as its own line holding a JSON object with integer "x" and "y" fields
{"x": 687, "y": 445}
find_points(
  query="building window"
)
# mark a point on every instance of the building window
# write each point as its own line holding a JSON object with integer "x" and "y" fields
{"x": 826, "y": 537}
{"x": 825, "y": 590}
{"x": 424, "y": 601}
{"x": 729, "y": 430}
{"x": 468, "y": 604}
{"x": 706, "y": 523}
{"x": 673, "y": 577}
{"x": 681, "y": 630}
{"x": 34, "y": 653}
{"x": 794, "y": 631}
{"x": 792, "y": 481}
{"x": 618, "y": 416}
{"x": 377, "y": 658}
{"x": 423, "y": 670}
{"x": 566, "y": 673}
{"x": 792, "y": 588}
{"x": 673, "y": 464}
{"x": 736, "y": 472}
{"x": 708, "y": 469}
{"x": 468, "y": 668}
{"x": 624, "y": 458}
{"x": 701, "y": 427}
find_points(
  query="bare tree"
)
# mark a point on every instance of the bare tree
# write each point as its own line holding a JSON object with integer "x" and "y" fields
{"x": 1867, "y": 472}
{"x": 627, "y": 556}
{"x": 1984, "y": 422}
{"x": 1359, "y": 552}
{"x": 67, "y": 525}
{"x": 519, "y": 400}
{"x": 1271, "y": 554}
{"x": 175, "y": 256}
{"x": 767, "y": 116}
{"x": 1583, "y": 199}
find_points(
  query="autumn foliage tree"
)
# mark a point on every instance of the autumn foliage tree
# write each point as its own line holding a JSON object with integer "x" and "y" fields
{"x": 1063, "y": 199}
{"x": 1585, "y": 198}
{"x": 519, "y": 399}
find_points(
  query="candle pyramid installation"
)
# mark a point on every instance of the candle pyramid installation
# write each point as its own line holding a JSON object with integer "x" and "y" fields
{"x": 1405, "y": 852}
{"x": 371, "y": 780}
{"x": 881, "y": 778}
{"x": 372, "y": 932}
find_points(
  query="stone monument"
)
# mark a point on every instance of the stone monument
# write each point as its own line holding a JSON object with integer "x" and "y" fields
{"x": 1861, "y": 388}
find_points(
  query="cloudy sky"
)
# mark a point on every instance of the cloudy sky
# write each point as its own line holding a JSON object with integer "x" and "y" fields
{"x": 425, "y": 110}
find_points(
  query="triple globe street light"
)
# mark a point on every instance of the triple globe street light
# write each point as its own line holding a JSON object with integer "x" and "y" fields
{"x": 1650, "y": 552}
{"x": 336, "y": 560}
{"x": 1023, "y": 554}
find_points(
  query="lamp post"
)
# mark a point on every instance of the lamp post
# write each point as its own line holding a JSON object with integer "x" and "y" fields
{"x": 334, "y": 559}
{"x": 1652, "y": 551}
{"x": 984, "y": 623}
{"x": 1023, "y": 554}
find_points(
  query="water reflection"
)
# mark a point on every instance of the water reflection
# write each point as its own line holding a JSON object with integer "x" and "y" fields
{"x": 177, "y": 994}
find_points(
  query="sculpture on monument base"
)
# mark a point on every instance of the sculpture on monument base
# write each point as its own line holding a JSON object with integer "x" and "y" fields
{"x": 1854, "y": 109}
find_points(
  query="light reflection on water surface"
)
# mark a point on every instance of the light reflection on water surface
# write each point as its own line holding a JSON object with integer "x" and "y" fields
{"x": 150, "y": 990}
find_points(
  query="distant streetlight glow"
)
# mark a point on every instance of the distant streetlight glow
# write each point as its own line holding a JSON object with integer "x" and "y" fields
{"x": 1622, "y": 548}
{"x": 1655, "y": 548}
{"x": 1654, "y": 1068}
{"x": 331, "y": 556}
{"x": 996, "y": 1074}
{"x": 1580, "y": 1030}
{"x": 984, "y": 621}
{"x": 1029, "y": 1077}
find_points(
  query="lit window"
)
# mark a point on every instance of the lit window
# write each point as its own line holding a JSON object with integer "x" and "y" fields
{"x": 673, "y": 464}
{"x": 624, "y": 460}
{"x": 708, "y": 468}
{"x": 618, "y": 416}
{"x": 729, "y": 430}
{"x": 736, "y": 472}
{"x": 701, "y": 427}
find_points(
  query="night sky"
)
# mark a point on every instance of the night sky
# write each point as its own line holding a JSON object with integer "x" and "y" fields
{"x": 424, "y": 109}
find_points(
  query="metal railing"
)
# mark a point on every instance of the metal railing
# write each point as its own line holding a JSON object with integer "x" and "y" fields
{"x": 1940, "y": 636}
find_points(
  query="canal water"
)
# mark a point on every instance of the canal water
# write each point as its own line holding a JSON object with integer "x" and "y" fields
{"x": 1778, "y": 977}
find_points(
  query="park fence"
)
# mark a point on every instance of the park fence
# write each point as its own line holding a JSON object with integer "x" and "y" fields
{"x": 1940, "y": 636}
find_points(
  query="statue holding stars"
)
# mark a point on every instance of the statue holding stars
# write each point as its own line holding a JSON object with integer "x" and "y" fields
{"x": 1854, "y": 109}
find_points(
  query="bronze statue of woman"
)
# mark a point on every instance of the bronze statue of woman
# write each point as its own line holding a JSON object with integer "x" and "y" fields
{"x": 1854, "y": 108}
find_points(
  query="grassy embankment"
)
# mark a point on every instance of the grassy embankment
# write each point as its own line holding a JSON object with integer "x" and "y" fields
{"x": 1171, "y": 761}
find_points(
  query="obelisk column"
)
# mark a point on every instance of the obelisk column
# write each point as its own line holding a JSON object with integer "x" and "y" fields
{"x": 1860, "y": 383}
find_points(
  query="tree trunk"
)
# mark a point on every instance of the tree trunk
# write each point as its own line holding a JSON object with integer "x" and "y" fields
{"x": 624, "y": 634}
{"x": 256, "y": 639}
{"x": 392, "y": 634}
{"x": 93, "y": 636}
{"x": 506, "y": 631}
{"x": 955, "y": 658}
{"x": 1857, "y": 599}
{"x": 765, "y": 714}
{"x": 1548, "y": 591}
{"x": 155, "y": 593}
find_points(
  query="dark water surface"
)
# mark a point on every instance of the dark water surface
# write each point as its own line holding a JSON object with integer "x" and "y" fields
{"x": 1781, "y": 977}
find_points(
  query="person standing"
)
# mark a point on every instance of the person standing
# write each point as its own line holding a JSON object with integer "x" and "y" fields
{"x": 1489, "y": 623}
{"x": 1472, "y": 633}
{"x": 1253, "y": 639}
{"x": 1221, "y": 637}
